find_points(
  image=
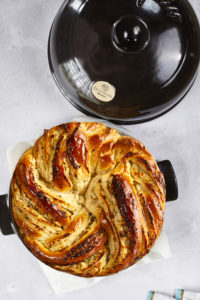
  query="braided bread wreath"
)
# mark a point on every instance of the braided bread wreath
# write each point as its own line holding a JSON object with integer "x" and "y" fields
{"x": 87, "y": 200}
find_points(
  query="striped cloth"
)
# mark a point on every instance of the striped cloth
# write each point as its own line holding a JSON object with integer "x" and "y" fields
{"x": 186, "y": 295}
{"x": 157, "y": 296}
{"x": 180, "y": 295}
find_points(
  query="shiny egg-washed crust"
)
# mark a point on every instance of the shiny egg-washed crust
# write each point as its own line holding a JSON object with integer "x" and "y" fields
{"x": 87, "y": 200}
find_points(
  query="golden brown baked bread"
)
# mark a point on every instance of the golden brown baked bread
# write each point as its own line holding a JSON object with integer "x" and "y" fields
{"x": 87, "y": 200}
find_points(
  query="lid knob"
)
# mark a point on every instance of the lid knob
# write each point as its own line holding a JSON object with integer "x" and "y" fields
{"x": 130, "y": 34}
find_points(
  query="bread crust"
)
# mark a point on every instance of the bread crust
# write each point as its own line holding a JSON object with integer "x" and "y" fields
{"x": 87, "y": 200}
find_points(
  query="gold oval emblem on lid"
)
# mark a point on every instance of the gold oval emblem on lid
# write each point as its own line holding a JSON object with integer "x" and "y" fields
{"x": 103, "y": 91}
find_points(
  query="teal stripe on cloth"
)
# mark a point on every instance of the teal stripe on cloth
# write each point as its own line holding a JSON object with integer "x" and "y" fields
{"x": 178, "y": 294}
{"x": 150, "y": 295}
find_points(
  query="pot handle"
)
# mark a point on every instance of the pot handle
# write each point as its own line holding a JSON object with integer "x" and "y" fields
{"x": 5, "y": 217}
{"x": 166, "y": 168}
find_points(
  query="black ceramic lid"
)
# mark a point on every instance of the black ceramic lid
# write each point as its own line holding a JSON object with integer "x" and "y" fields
{"x": 124, "y": 60}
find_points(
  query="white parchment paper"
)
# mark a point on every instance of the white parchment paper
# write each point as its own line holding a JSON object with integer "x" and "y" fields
{"x": 63, "y": 282}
